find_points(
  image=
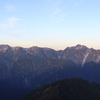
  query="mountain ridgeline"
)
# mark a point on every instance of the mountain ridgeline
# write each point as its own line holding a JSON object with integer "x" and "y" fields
{"x": 35, "y": 66}
{"x": 78, "y": 54}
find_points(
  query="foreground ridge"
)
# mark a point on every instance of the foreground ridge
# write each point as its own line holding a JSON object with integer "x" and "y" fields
{"x": 71, "y": 89}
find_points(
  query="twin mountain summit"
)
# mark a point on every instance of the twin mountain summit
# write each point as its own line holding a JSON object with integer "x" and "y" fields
{"x": 71, "y": 70}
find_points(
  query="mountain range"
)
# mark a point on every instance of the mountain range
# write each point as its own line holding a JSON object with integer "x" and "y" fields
{"x": 21, "y": 67}
{"x": 29, "y": 68}
{"x": 78, "y": 54}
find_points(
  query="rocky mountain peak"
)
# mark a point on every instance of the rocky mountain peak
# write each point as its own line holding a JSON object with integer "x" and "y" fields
{"x": 77, "y": 47}
{"x": 3, "y": 48}
{"x": 47, "y": 48}
{"x": 16, "y": 48}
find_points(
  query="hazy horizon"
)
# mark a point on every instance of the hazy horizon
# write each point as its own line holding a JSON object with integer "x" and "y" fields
{"x": 50, "y": 47}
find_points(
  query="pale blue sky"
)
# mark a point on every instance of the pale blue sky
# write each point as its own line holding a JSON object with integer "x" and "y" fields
{"x": 55, "y": 24}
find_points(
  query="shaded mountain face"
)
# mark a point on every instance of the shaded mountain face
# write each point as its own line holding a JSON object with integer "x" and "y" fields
{"x": 78, "y": 54}
{"x": 71, "y": 89}
{"x": 8, "y": 92}
{"x": 92, "y": 71}
{"x": 27, "y": 73}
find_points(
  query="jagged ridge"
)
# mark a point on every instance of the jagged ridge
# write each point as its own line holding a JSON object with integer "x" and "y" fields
{"x": 78, "y": 54}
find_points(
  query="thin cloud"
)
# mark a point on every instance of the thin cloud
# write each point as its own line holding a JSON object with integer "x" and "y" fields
{"x": 57, "y": 11}
{"x": 11, "y": 22}
{"x": 14, "y": 33}
{"x": 76, "y": 4}
{"x": 63, "y": 15}
{"x": 9, "y": 7}
{"x": 97, "y": 30}
{"x": 4, "y": 25}
{"x": 60, "y": 20}
{"x": 55, "y": 3}
{"x": 55, "y": 6}
{"x": 95, "y": 20}
{"x": 79, "y": 2}
{"x": 25, "y": 31}
{"x": 51, "y": 37}
{"x": 1, "y": 30}
{"x": 62, "y": 33}
{"x": 18, "y": 33}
